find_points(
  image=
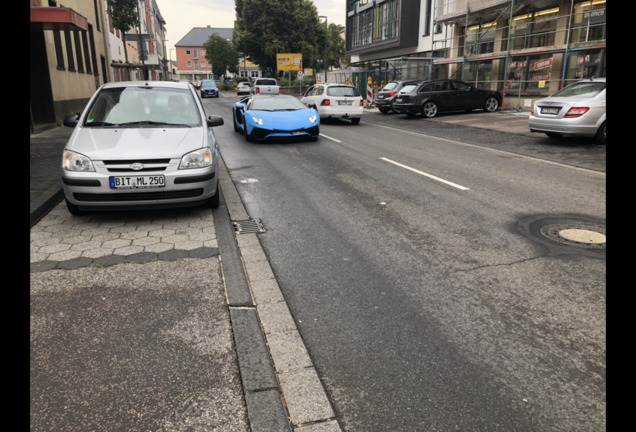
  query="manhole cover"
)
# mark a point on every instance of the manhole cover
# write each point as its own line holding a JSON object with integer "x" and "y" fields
{"x": 567, "y": 233}
{"x": 576, "y": 234}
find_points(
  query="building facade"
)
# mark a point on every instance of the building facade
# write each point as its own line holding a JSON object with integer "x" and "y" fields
{"x": 68, "y": 58}
{"x": 527, "y": 49}
{"x": 74, "y": 49}
{"x": 192, "y": 64}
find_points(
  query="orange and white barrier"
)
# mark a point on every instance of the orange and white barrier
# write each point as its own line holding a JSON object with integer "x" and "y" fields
{"x": 369, "y": 92}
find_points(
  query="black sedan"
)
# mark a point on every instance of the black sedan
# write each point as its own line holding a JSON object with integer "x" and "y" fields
{"x": 432, "y": 97}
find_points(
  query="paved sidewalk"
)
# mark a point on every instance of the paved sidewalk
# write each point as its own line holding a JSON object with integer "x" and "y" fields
{"x": 45, "y": 169}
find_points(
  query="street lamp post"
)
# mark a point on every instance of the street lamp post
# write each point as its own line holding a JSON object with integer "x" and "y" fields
{"x": 166, "y": 69}
{"x": 324, "y": 61}
{"x": 171, "y": 69}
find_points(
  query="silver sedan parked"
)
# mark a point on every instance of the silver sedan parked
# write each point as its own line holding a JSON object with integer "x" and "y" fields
{"x": 141, "y": 145}
{"x": 578, "y": 109}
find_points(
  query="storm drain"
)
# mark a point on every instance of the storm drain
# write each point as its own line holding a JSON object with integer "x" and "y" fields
{"x": 575, "y": 234}
{"x": 249, "y": 226}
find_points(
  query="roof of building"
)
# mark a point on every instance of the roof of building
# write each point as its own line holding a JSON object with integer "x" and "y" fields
{"x": 198, "y": 36}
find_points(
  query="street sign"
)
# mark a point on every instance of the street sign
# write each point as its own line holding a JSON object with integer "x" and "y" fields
{"x": 300, "y": 74}
{"x": 289, "y": 62}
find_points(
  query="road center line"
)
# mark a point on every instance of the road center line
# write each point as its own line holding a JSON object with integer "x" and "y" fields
{"x": 455, "y": 185}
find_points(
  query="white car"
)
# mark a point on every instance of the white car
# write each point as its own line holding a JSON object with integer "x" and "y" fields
{"x": 340, "y": 101}
{"x": 578, "y": 109}
{"x": 141, "y": 145}
{"x": 243, "y": 88}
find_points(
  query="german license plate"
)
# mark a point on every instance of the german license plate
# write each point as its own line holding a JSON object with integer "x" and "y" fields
{"x": 299, "y": 133}
{"x": 549, "y": 110}
{"x": 137, "y": 182}
{"x": 380, "y": 96}
{"x": 398, "y": 99}
{"x": 344, "y": 102}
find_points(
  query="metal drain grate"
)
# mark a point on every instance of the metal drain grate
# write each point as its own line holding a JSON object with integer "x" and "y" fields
{"x": 249, "y": 226}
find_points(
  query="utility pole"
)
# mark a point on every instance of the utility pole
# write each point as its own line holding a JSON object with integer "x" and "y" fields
{"x": 326, "y": 34}
{"x": 142, "y": 53}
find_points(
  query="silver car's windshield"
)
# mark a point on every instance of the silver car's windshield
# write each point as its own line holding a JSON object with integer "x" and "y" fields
{"x": 139, "y": 106}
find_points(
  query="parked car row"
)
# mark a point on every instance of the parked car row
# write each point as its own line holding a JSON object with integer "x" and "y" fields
{"x": 430, "y": 98}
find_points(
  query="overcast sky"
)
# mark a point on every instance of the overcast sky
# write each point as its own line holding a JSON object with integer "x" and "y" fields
{"x": 183, "y": 15}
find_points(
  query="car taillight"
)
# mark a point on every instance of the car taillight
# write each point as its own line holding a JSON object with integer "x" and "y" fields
{"x": 391, "y": 94}
{"x": 361, "y": 102}
{"x": 280, "y": 90}
{"x": 258, "y": 89}
{"x": 576, "y": 112}
{"x": 325, "y": 102}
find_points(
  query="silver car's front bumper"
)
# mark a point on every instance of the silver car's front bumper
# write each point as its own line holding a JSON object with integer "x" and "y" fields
{"x": 92, "y": 190}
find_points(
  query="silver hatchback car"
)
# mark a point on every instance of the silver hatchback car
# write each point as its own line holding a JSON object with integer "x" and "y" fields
{"x": 141, "y": 145}
{"x": 576, "y": 110}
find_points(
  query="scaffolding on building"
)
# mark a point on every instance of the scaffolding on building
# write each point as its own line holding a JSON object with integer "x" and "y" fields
{"x": 523, "y": 48}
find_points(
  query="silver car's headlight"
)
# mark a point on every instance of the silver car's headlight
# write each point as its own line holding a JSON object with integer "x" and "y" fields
{"x": 197, "y": 159}
{"x": 72, "y": 161}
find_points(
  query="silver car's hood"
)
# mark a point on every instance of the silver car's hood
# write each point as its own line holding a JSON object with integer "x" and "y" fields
{"x": 136, "y": 143}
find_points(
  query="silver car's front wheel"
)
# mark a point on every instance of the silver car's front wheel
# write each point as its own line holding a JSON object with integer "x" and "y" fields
{"x": 429, "y": 109}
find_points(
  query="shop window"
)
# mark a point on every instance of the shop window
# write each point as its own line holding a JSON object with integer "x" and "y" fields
{"x": 480, "y": 39}
{"x": 589, "y": 22}
{"x": 585, "y": 64}
{"x": 536, "y": 29}
{"x": 479, "y": 73}
{"x": 530, "y": 73}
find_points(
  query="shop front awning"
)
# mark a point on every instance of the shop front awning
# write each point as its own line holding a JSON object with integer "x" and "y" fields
{"x": 50, "y": 18}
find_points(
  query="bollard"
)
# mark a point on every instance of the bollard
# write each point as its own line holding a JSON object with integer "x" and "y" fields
{"x": 369, "y": 93}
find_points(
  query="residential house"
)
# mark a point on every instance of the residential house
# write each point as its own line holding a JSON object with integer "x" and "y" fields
{"x": 192, "y": 64}
{"x": 148, "y": 59}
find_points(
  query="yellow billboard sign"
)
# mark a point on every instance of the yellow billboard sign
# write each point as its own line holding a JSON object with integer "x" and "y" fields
{"x": 289, "y": 62}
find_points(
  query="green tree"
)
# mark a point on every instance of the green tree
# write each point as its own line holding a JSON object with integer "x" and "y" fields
{"x": 335, "y": 46}
{"x": 124, "y": 16}
{"x": 221, "y": 55}
{"x": 264, "y": 28}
